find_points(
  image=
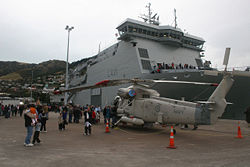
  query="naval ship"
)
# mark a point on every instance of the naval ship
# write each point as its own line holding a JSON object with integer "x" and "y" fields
{"x": 147, "y": 50}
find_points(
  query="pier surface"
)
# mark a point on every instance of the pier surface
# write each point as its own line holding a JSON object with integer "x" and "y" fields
{"x": 126, "y": 146}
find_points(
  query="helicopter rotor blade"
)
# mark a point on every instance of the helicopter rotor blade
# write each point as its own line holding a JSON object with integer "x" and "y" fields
{"x": 226, "y": 56}
{"x": 185, "y": 82}
{"x": 212, "y": 73}
{"x": 107, "y": 83}
{"x": 104, "y": 83}
{"x": 241, "y": 73}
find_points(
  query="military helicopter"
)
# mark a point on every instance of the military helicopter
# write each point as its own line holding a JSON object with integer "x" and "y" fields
{"x": 140, "y": 105}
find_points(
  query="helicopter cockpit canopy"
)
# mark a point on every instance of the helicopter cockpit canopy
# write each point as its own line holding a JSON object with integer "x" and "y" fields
{"x": 143, "y": 92}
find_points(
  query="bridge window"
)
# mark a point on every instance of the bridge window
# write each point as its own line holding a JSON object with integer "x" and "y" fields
{"x": 143, "y": 52}
{"x": 130, "y": 29}
{"x": 146, "y": 65}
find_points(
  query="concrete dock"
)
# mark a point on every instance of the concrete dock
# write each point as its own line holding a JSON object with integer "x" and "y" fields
{"x": 125, "y": 146}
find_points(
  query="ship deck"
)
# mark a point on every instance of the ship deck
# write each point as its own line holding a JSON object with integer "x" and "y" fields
{"x": 214, "y": 145}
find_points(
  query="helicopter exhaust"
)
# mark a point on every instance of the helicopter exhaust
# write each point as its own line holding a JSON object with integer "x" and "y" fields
{"x": 135, "y": 121}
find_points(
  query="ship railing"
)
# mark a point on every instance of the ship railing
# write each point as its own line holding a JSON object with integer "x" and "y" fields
{"x": 179, "y": 70}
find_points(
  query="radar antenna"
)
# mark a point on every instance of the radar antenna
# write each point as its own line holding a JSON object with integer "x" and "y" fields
{"x": 148, "y": 18}
{"x": 175, "y": 19}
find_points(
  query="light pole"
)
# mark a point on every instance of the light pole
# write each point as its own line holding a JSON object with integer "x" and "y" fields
{"x": 67, "y": 66}
{"x": 31, "y": 86}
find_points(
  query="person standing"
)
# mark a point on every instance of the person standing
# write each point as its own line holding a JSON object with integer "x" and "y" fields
{"x": 77, "y": 113}
{"x": 21, "y": 107}
{"x": 108, "y": 111}
{"x": 64, "y": 117}
{"x": 7, "y": 111}
{"x": 113, "y": 115}
{"x": 12, "y": 110}
{"x": 93, "y": 121}
{"x": 29, "y": 117}
{"x": 104, "y": 114}
{"x": 15, "y": 110}
{"x": 70, "y": 113}
{"x": 43, "y": 118}
{"x": 87, "y": 118}
{"x": 37, "y": 132}
{"x": 60, "y": 122}
{"x": 1, "y": 109}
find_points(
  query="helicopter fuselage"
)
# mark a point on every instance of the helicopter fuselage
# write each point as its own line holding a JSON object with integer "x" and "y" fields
{"x": 168, "y": 111}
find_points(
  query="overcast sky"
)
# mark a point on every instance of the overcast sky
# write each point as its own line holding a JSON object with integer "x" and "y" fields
{"x": 33, "y": 30}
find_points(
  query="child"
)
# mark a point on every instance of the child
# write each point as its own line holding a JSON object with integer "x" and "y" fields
{"x": 87, "y": 122}
{"x": 87, "y": 128}
{"x": 60, "y": 122}
{"x": 34, "y": 112}
{"x": 37, "y": 132}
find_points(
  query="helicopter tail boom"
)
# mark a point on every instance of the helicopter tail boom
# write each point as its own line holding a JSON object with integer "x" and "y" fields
{"x": 218, "y": 97}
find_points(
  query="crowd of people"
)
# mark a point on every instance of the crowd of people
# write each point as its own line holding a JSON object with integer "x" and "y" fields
{"x": 162, "y": 66}
{"x": 91, "y": 114}
{"x": 11, "y": 110}
{"x": 36, "y": 116}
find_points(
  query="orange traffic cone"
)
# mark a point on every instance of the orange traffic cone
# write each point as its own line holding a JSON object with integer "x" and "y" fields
{"x": 239, "y": 131}
{"x": 107, "y": 128}
{"x": 171, "y": 140}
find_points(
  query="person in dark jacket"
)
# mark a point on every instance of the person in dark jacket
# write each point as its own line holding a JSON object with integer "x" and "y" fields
{"x": 64, "y": 117}
{"x": 113, "y": 115}
{"x": 29, "y": 117}
{"x": 43, "y": 118}
{"x": 70, "y": 113}
{"x": 77, "y": 114}
{"x": 108, "y": 112}
{"x": 21, "y": 108}
{"x": 7, "y": 111}
{"x": 104, "y": 114}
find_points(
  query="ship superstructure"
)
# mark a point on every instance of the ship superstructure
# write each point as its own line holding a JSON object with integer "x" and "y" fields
{"x": 144, "y": 50}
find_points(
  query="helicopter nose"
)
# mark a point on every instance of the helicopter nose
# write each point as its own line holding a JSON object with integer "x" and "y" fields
{"x": 120, "y": 111}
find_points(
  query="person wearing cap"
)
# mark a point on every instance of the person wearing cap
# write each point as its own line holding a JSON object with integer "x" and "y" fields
{"x": 30, "y": 120}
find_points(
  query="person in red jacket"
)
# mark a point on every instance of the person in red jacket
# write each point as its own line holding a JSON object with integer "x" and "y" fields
{"x": 93, "y": 117}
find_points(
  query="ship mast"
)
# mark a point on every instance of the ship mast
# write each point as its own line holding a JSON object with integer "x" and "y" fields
{"x": 175, "y": 19}
{"x": 149, "y": 13}
{"x": 149, "y": 18}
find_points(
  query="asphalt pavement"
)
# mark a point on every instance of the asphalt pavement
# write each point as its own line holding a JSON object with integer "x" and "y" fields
{"x": 126, "y": 146}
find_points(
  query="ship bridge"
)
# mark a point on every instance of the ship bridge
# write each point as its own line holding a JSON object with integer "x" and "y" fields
{"x": 164, "y": 34}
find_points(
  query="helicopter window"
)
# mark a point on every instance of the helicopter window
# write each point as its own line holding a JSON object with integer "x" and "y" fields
{"x": 145, "y": 96}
